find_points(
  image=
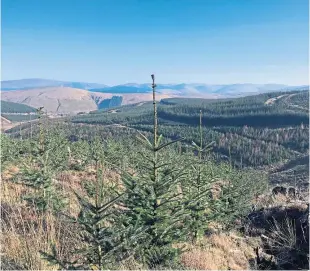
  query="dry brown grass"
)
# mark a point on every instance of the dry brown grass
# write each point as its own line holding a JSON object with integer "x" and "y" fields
{"x": 7, "y": 124}
{"x": 25, "y": 232}
{"x": 24, "y": 237}
{"x": 217, "y": 187}
{"x": 219, "y": 252}
{"x": 279, "y": 200}
{"x": 9, "y": 172}
{"x": 72, "y": 100}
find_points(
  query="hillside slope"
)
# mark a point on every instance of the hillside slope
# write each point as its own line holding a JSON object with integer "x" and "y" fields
{"x": 54, "y": 99}
{"x": 5, "y": 124}
{"x": 249, "y": 130}
{"x": 64, "y": 100}
{"x": 14, "y": 113}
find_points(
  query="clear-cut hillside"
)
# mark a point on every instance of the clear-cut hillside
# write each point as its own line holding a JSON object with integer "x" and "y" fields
{"x": 64, "y": 100}
{"x": 54, "y": 99}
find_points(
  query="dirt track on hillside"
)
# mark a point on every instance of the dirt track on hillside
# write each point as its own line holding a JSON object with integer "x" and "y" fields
{"x": 7, "y": 124}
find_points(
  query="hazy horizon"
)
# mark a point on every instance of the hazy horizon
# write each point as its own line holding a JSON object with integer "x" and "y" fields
{"x": 159, "y": 83}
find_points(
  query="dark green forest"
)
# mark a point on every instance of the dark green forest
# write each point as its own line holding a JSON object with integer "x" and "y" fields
{"x": 16, "y": 112}
{"x": 245, "y": 130}
{"x": 9, "y": 107}
{"x": 115, "y": 101}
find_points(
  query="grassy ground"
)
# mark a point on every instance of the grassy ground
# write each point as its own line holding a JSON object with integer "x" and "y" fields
{"x": 26, "y": 231}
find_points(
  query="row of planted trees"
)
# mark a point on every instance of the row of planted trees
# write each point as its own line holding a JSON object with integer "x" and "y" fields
{"x": 164, "y": 199}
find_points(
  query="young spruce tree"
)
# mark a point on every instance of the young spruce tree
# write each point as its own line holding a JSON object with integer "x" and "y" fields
{"x": 153, "y": 200}
{"x": 39, "y": 170}
{"x": 196, "y": 189}
{"x": 107, "y": 239}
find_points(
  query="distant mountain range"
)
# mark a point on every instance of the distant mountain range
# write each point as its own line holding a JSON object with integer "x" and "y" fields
{"x": 62, "y": 97}
{"x": 189, "y": 90}
{"x": 33, "y": 83}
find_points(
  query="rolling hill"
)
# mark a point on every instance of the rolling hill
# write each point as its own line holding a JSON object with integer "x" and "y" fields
{"x": 65, "y": 100}
{"x": 62, "y": 97}
{"x": 286, "y": 108}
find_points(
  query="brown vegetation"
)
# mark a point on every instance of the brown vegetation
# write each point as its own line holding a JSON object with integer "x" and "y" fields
{"x": 70, "y": 100}
{"x": 25, "y": 231}
{"x": 220, "y": 252}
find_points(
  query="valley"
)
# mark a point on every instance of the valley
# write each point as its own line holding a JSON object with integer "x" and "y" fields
{"x": 265, "y": 131}
{"x": 252, "y": 152}
{"x": 154, "y": 135}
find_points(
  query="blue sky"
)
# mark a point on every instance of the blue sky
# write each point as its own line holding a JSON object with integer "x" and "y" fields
{"x": 122, "y": 41}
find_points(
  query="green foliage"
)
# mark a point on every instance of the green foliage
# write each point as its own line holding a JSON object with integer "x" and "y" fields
{"x": 293, "y": 138}
{"x": 115, "y": 101}
{"x": 40, "y": 177}
{"x": 225, "y": 120}
{"x": 9, "y": 150}
{"x": 19, "y": 118}
{"x": 10, "y": 107}
{"x": 236, "y": 195}
{"x": 107, "y": 239}
{"x": 56, "y": 145}
{"x": 39, "y": 168}
{"x": 169, "y": 193}
{"x": 196, "y": 188}
{"x": 79, "y": 153}
{"x": 152, "y": 201}
{"x": 97, "y": 150}
{"x": 196, "y": 198}
{"x": 251, "y": 111}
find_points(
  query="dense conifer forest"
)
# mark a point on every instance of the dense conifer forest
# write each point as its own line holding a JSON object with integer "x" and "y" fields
{"x": 9, "y": 107}
{"x": 16, "y": 112}
{"x": 249, "y": 131}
